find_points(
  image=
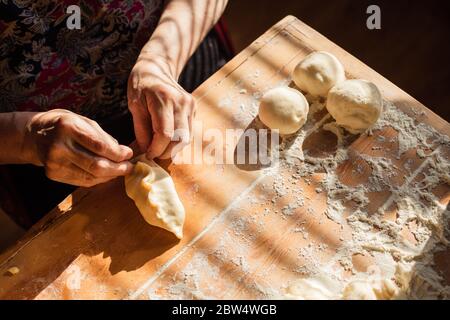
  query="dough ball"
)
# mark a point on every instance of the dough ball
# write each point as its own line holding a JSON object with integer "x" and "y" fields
{"x": 318, "y": 73}
{"x": 355, "y": 105}
{"x": 283, "y": 108}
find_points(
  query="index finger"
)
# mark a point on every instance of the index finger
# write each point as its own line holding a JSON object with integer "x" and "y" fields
{"x": 100, "y": 143}
{"x": 163, "y": 126}
{"x": 97, "y": 166}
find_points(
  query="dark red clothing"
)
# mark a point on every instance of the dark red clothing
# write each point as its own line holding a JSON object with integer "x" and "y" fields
{"x": 44, "y": 65}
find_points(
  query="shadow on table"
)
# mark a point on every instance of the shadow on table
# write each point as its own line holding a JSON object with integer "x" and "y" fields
{"x": 254, "y": 150}
{"x": 321, "y": 143}
{"x": 116, "y": 231}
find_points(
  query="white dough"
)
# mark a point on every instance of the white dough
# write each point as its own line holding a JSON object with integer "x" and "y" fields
{"x": 314, "y": 288}
{"x": 318, "y": 73}
{"x": 154, "y": 194}
{"x": 323, "y": 288}
{"x": 381, "y": 289}
{"x": 355, "y": 105}
{"x": 283, "y": 108}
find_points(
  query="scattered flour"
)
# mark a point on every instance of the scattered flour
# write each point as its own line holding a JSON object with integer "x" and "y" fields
{"x": 404, "y": 268}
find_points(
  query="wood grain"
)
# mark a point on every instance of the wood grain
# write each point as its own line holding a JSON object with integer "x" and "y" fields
{"x": 95, "y": 244}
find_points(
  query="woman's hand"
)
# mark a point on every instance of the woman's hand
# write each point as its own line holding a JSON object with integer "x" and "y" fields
{"x": 162, "y": 111}
{"x": 74, "y": 149}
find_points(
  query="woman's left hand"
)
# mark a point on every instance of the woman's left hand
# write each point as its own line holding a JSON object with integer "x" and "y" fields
{"x": 162, "y": 110}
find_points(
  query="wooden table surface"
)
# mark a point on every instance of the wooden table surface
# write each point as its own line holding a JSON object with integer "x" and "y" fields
{"x": 236, "y": 244}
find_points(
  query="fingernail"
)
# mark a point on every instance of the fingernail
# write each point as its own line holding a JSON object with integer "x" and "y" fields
{"x": 127, "y": 167}
{"x": 127, "y": 151}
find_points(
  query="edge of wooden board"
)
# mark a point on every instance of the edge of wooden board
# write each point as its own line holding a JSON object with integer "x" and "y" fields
{"x": 289, "y": 24}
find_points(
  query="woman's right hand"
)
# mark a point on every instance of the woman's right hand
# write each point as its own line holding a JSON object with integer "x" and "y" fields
{"x": 74, "y": 149}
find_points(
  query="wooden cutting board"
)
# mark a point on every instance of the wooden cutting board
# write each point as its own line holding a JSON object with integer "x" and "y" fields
{"x": 237, "y": 243}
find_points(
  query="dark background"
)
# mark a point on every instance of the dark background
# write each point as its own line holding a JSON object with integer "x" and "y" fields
{"x": 412, "y": 49}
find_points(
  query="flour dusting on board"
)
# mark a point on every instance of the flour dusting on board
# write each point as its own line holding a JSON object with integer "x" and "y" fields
{"x": 390, "y": 213}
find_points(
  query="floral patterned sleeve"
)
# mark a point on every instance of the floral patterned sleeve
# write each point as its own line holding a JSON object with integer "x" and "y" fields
{"x": 44, "y": 65}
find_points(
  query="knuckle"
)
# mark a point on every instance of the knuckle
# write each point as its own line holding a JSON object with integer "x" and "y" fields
{"x": 159, "y": 88}
{"x": 94, "y": 167}
{"x": 163, "y": 92}
{"x": 97, "y": 167}
{"x": 133, "y": 97}
{"x": 132, "y": 104}
{"x": 186, "y": 103}
{"x": 166, "y": 134}
{"x": 180, "y": 107}
{"x": 188, "y": 100}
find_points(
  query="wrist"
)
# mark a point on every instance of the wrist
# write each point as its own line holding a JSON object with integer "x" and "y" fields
{"x": 15, "y": 147}
{"x": 159, "y": 59}
{"x": 27, "y": 145}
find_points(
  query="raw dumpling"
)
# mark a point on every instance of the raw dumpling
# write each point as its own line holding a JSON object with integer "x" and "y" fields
{"x": 154, "y": 194}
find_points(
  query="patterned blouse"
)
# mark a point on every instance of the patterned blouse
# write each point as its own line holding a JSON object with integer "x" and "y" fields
{"x": 45, "y": 65}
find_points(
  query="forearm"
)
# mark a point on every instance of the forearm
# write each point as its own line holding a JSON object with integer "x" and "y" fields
{"x": 183, "y": 25}
{"x": 14, "y": 148}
